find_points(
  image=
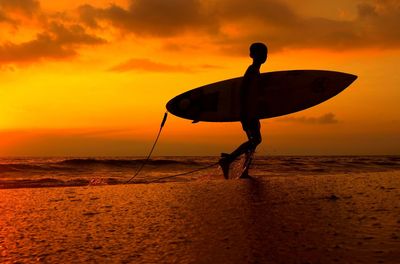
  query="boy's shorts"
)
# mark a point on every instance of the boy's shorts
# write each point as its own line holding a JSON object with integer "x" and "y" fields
{"x": 251, "y": 125}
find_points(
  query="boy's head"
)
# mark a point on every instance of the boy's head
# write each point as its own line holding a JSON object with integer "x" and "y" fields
{"x": 258, "y": 52}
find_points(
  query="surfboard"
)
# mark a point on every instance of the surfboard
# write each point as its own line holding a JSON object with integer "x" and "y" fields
{"x": 275, "y": 94}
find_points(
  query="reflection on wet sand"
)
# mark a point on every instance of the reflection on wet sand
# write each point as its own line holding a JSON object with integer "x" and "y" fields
{"x": 314, "y": 219}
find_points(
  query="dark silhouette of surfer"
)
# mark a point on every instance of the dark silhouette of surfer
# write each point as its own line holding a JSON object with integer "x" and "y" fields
{"x": 250, "y": 123}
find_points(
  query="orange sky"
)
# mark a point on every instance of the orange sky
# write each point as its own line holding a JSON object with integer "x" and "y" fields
{"x": 93, "y": 77}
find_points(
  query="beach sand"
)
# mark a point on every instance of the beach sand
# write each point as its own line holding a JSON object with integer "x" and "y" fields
{"x": 351, "y": 218}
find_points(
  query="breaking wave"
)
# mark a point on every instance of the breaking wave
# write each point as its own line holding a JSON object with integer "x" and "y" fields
{"x": 60, "y": 172}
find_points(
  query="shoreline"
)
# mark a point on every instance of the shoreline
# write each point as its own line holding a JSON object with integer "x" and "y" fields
{"x": 55, "y": 182}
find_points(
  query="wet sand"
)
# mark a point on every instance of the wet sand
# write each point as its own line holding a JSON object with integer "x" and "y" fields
{"x": 309, "y": 219}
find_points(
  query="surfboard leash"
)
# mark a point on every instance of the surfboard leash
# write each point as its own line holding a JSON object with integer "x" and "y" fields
{"x": 151, "y": 151}
{"x": 184, "y": 173}
{"x": 246, "y": 166}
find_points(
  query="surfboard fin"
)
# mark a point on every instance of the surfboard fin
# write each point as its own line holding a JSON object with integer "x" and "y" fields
{"x": 195, "y": 121}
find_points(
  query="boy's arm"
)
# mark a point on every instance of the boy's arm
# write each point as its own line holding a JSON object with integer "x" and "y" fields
{"x": 245, "y": 99}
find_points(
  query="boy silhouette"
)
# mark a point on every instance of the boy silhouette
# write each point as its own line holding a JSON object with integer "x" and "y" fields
{"x": 250, "y": 122}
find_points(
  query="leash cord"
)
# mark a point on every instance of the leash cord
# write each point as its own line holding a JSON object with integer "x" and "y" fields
{"x": 247, "y": 163}
{"x": 184, "y": 173}
{"x": 151, "y": 151}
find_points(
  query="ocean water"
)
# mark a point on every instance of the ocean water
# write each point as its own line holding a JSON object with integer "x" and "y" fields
{"x": 25, "y": 172}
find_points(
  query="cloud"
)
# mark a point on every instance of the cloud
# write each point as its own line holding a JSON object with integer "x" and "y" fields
{"x": 326, "y": 119}
{"x": 27, "y": 7}
{"x": 225, "y": 25}
{"x": 146, "y": 65}
{"x": 375, "y": 26}
{"x": 59, "y": 36}
{"x": 10, "y": 8}
{"x": 4, "y": 17}
{"x": 152, "y": 17}
{"x": 233, "y": 24}
{"x": 57, "y": 42}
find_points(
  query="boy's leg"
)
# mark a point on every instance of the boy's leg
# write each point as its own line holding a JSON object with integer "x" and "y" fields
{"x": 246, "y": 165}
{"x": 226, "y": 159}
{"x": 252, "y": 130}
{"x": 224, "y": 163}
{"x": 243, "y": 148}
{"x": 254, "y": 136}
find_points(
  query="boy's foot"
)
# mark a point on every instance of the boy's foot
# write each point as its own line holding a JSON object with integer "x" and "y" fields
{"x": 245, "y": 175}
{"x": 224, "y": 164}
{"x": 246, "y": 165}
{"x": 225, "y": 155}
